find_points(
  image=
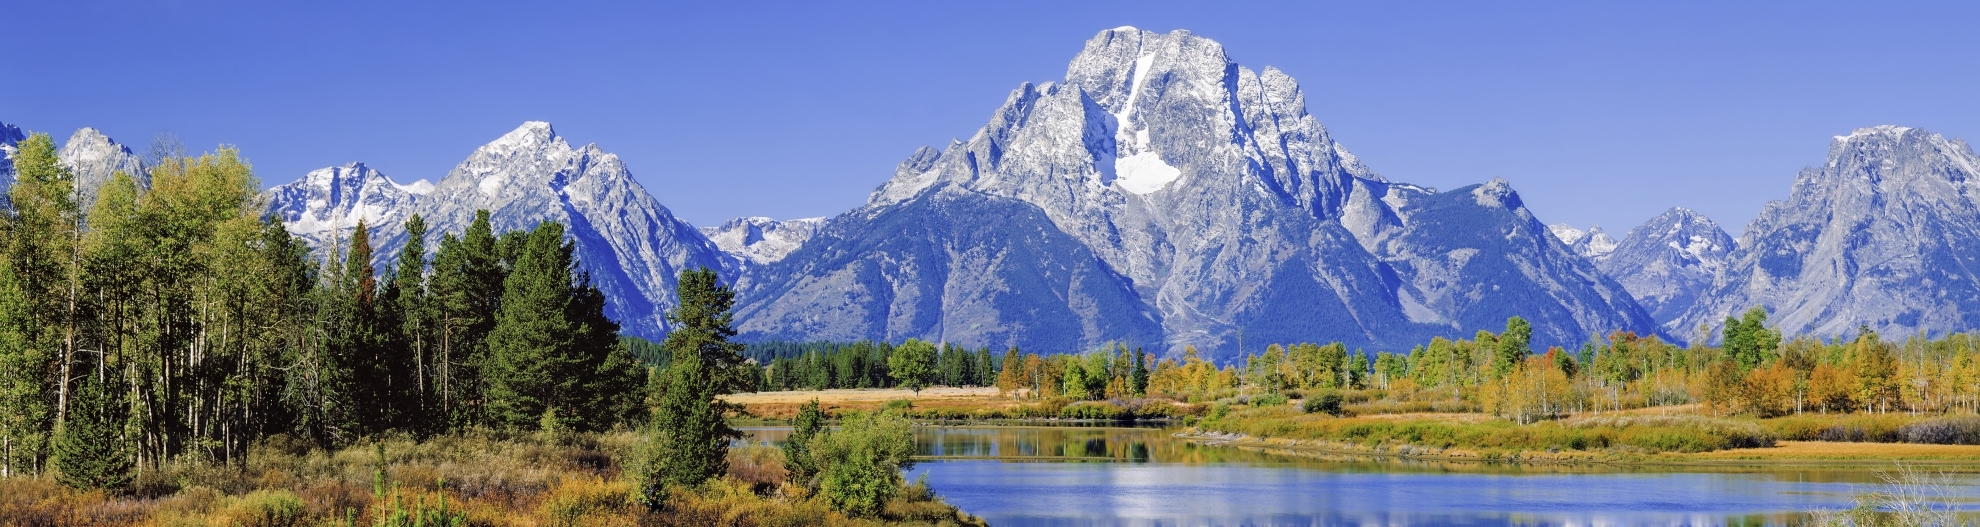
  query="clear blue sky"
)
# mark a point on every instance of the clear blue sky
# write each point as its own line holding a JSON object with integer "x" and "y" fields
{"x": 1598, "y": 112}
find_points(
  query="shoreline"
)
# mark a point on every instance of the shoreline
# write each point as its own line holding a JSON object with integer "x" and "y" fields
{"x": 1784, "y": 454}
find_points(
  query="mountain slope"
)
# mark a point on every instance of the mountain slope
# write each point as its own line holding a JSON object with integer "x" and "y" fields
{"x": 633, "y": 247}
{"x": 1885, "y": 234}
{"x": 1592, "y": 244}
{"x": 1667, "y": 261}
{"x": 759, "y": 240}
{"x": 328, "y": 202}
{"x": 94, "y": 158}
{"x": 1223, "y": 204}
{"x": 10, "y": 135}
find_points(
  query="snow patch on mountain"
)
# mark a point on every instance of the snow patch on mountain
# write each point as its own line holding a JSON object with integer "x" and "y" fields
{"x": 95, "y": 159}
{"x": 760, "y": 240}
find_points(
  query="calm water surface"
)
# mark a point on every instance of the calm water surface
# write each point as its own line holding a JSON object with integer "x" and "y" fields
{"x": 1129, "y": 476}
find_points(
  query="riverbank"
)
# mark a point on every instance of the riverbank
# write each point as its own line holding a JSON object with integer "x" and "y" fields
{"x": 464, "y": 479}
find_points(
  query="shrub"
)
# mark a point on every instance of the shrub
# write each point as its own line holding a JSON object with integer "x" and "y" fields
{"x": 860, "y": 463}
{"x": 265, "y": 508}
{"x": 1270, "y": 399}
{"x": 1093, "y": 410}
{"x": 1323, "y": 402}
{"x": 1961, "y": 430}
{"x": 581, "y": 501}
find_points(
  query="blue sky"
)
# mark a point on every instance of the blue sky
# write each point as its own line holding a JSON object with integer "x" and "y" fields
{"x": 1598, "y": 112}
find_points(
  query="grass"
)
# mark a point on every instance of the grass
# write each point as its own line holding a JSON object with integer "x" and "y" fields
{"x": 1629, "y": 434}
{"x": 949, "y": 404}
{"x": 473, "y": 479}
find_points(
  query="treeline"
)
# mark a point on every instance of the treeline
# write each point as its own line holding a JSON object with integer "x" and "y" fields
{"x": 1755, "y": 372}
{"x": 863, "y": 364}
{"x": 181, "y": 321}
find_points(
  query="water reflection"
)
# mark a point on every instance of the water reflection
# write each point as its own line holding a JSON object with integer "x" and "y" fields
{"x": 1128, "y": 476}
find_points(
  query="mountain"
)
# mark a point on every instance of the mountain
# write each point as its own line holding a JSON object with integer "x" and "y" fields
{"x": 1163, "y": 196}
{"x": 10, "y": 135}
{"x": 1885, "y": 234}
{"x": 633, "y": 247}
{"x": 1592, "y": 244}
{"x": 327, "y": 203}
{"x": 94, "y": 158}
{"x": 1667, "y": 261}
{"x": 759, "y": 240}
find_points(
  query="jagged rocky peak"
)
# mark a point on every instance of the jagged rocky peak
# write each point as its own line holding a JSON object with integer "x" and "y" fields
{"x": 1213, "y": 204}
{"x": 1667, "y": 261}
{"x": 1593, "y": 243}
{"x": 10, "y": 135}
{"x": 330, "y": 200}
{"x": 1883, "y": 234}
{"x": 96, "y": 158}
{"x": 760, "y": 240}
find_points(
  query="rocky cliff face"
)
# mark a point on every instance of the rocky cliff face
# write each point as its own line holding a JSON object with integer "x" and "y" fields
{"x": 1592, "y": 244}
{"x": 633, "y": 247}
{"x": 324, "y": 206}
{"x": 1211, "y": 197}
{"x": 1885, "y": 234}
{"x": 94, "y": 158}
{"x": 758, "y": 240}
{"x": 1668, "y": 260}
{"x": 10, "y": 135}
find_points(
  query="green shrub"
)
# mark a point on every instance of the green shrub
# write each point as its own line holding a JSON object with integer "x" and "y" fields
{"x": 860, "y": 463}
{"x": 1094, "y": 410}
{"x": 266, "y": 508}
{"x": 1270, "y": 399}
{"x": 1323, "y": 402}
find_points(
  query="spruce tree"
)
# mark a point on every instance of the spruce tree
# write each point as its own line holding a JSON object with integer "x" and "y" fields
{"x": 532, "y": 367}
{"x": 1138, "y": 380}
{"x": 409, "y": 304}
{"x": 467, "y": 288}
{"x": 690, "y": 439}
{"x": 89, "y": 450}
{"x": 1512, "y": 346}
{"x": 797, "y": 448}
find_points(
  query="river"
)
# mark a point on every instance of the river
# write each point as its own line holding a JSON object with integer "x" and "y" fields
{"x": 1027, "y": 475}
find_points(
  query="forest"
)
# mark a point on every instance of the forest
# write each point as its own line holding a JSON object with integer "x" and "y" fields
{"x": 174, "y": 352}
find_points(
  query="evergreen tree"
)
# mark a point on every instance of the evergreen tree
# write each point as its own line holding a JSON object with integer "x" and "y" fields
{"x": 534, "y": 364}
{"x": 89, "y": 451}
{"x": 1512, "y": 346}
{"x": 359, "y": 346}
{"x": 407, "y": 306}
{"x": 467, "y": 288}
{"x": 797, "y": 454}
{"x": 1138, "y": 380}
{"x": 912, "y": 365}
{"x": 689, "y": 438}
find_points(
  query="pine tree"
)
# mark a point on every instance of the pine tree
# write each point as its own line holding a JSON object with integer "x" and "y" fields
{"x": 689, "y": 439}
{"x": 89, "y": 450}
{"x": 797, "y": 448}
{"x": 467, "y": 291}
{"x": 1512, "y": 346}
{"x": 408, "y": 303}
{"x": 1138, "y": 381}
{"x": 532, "y": 363}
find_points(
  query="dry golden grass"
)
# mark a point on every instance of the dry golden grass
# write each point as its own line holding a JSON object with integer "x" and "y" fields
{"x": 490, "y": 480}
{"x": 1838, "y": 451}
{"x": 784, "y": 405}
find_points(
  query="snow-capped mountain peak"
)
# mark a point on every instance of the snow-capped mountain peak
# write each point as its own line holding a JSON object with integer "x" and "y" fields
{"x": 760, "y": 240}
{"x": 96, "y": 158}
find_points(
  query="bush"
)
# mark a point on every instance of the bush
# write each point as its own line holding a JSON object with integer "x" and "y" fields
{"x": 1962, "y": 430}
{"x": 266, "y": 508}
{"x": 1323, "y": 402}
{"x": 1270, "y": 399}
{"x": 1094, "y": 410}
{"x": 860, "y": 463}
